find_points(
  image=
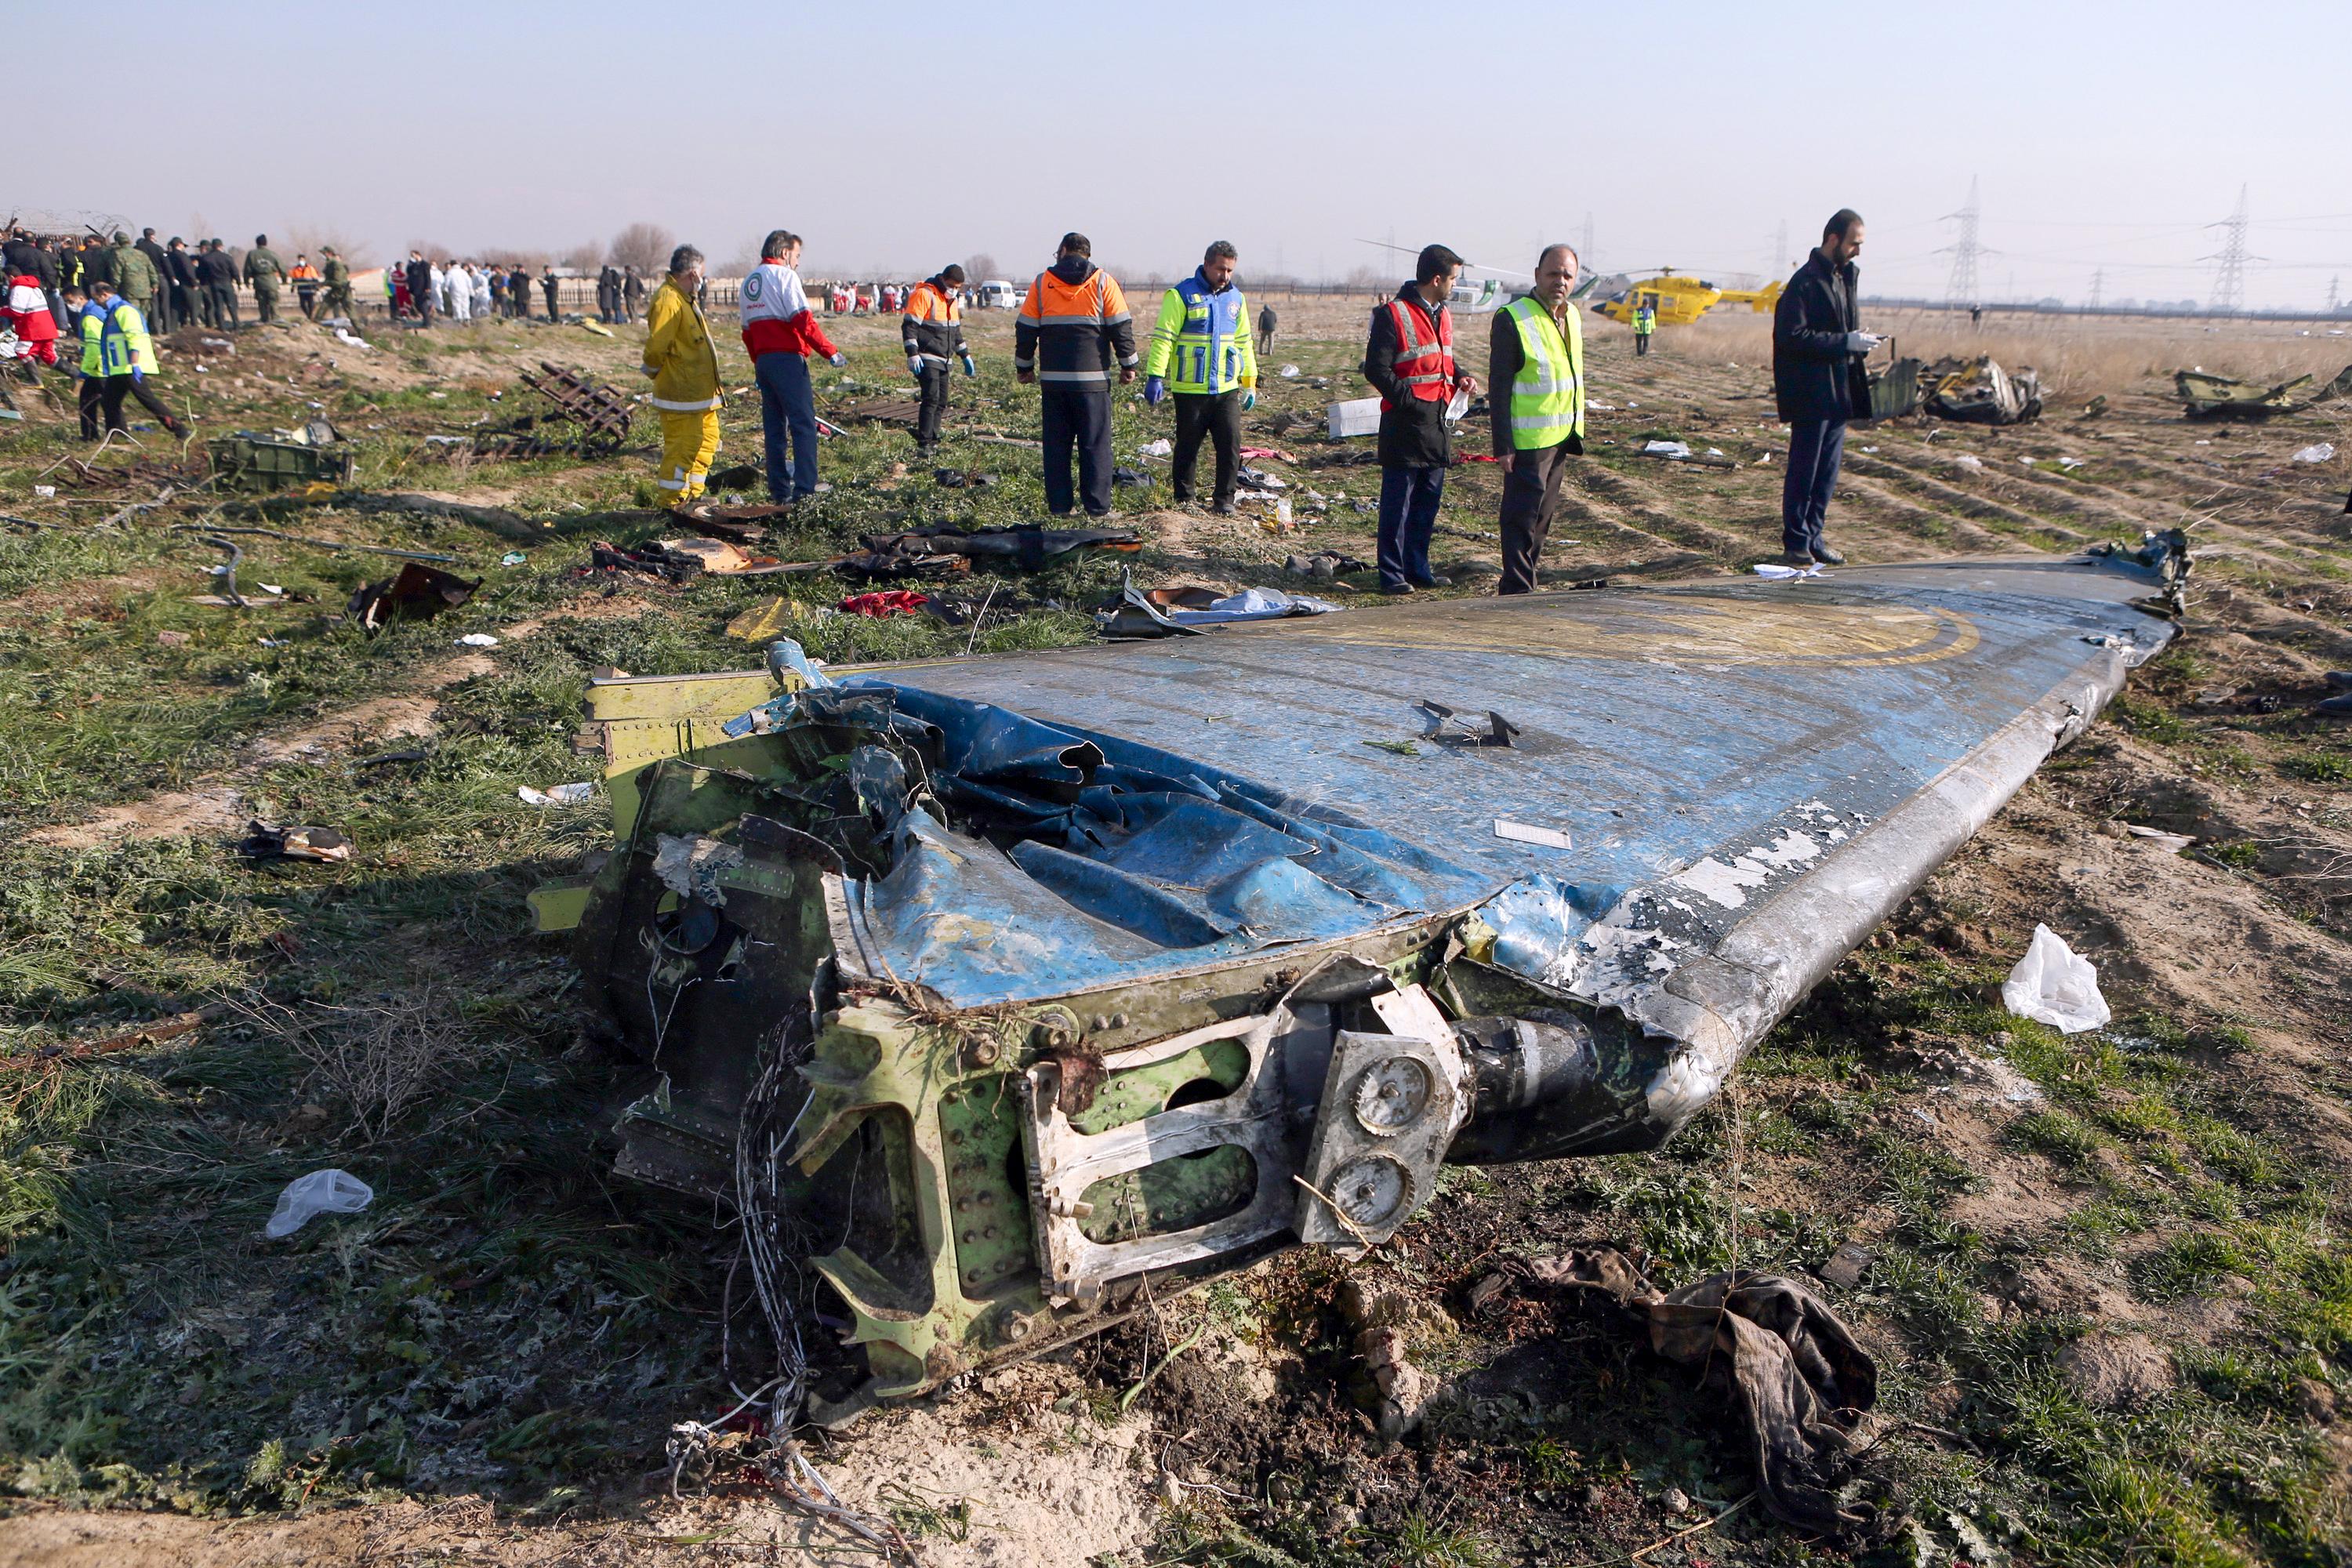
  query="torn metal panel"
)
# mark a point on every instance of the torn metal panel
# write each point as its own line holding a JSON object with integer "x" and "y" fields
{"x": 1979, "y": 392}
{"x": 1129, "y": 963}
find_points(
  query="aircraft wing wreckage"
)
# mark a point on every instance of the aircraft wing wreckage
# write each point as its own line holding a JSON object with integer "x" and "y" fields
{"x": 988, "y": 990}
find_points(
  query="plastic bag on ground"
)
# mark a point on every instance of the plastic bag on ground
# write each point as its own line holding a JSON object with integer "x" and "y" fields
{"x": 322, "y": 1192}
{"x": 2319, "y": 452}
{"x": 2053, "y": 985}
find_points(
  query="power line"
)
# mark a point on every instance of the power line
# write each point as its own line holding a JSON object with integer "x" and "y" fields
{"x": 1962, "y": 288}
{"x": 2230, "y": 278}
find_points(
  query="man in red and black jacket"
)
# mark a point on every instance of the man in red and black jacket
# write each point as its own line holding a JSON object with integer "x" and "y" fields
{"x": 1410, "y": 362}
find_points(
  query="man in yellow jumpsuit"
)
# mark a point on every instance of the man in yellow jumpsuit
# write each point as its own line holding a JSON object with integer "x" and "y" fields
{"x": 684, "y": 364}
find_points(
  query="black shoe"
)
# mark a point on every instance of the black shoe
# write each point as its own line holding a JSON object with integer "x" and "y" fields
{"x": 1828, "y": 557}
{"x": 1398, "y": 588}
{"x": 2338, "y": 679}
{"x": 1433, "y": 581}
{"x": 2336, "y": 707}
{"x": 1223, "y": 509}
{"x": 1802, "y": 560}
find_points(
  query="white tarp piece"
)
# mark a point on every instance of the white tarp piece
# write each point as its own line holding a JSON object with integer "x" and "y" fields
{"x": 1357, "y": 416}
{"x": 1774, "y": 572}
{"x": 2319, "y": 452}
{"x": 1670, "y": 449}
{"x": 322, "y": 1192}
{"x": 562, "y": 795}
{"x": 2051, "y": 984}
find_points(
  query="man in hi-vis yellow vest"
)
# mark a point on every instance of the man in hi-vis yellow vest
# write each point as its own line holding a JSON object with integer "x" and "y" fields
{"x": 1534, "y": 386}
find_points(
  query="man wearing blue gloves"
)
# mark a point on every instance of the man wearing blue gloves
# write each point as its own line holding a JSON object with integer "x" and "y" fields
{"x": 1201, "y": 350}
{"x": 932, "y": 331}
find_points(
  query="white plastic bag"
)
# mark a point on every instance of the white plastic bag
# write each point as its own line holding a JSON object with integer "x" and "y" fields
{"x": 2052, "y": 985}
{"x": 321, "y": 1191}
{"x": 560, "y": 795}
{"x": 2320, "y": 452}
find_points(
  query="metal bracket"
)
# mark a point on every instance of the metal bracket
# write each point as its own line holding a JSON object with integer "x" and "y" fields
{"x": 1391, "y": 1104}
{"x": 1063, "y": 1163}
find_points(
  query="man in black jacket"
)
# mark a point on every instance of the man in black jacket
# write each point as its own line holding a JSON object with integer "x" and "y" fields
{"x": 1819, "y": 382}
{"x": 420, "y": 286}
{"x": 179, "y": 271}
{"x": 218, "y": 274}
{"x": 1414, "y": 444}
{"x": 547, "y": 285}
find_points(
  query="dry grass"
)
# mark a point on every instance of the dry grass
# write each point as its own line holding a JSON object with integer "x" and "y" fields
{"x": 378, "y": 1061}
{"x": 2078, "y": 356}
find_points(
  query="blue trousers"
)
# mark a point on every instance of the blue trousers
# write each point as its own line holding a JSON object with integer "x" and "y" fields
{"x": 1815, "y": 449}
{"x": 788, "y": 407}
{"x": 1408, "y": 499}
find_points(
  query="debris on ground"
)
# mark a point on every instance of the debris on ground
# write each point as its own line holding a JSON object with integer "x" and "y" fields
{"x": 1024, "y": 547}
{"x": 477, "y": 639}
{"x": 1324, "y": 563}
{"x": 1979, "y": 392}
{"x": 2053, "y": 985}
{"x": 414, "y": 591}
{"x": 590, "y": 420}
{"x": 247, "y": 462}
{"x": 2171, "y": 843}
{"x": 2318, "y": 452}
{"x": 677, "y": 560}
{"x": 1168, "y": 611}
{"x": 563, "y": 795}
{"x": 763, "y": 621}
{"x": 1894, "y": 391}
{"x": 322, "y": 1192}
{"x": 883, "y": 603}
{"x": 264, "y": 842}
{"x": 1797, "y": 1378}
{"x": 1354, "y": 416}
{"x": 2205, "y": 395}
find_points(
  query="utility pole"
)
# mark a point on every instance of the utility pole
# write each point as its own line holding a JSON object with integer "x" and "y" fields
{"x": 2332, "y": 305}
{"x": 2098, "y": 286}
{"x": 1962, "y": 291}
{"x": 1776, "y": 262}
{"x": 2230, "y": 278}
{"x": 1584, "y": 248}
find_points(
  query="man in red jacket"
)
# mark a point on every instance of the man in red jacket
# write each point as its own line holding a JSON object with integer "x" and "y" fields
{"x": 27, "y": 314}
{"x": 780, "y": 332}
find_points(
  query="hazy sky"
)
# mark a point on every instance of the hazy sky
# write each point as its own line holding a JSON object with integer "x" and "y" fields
{"x": 905, "y": 136}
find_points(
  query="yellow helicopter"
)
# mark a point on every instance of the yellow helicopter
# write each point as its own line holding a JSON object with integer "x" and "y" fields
{"x": 1681, "y": 300}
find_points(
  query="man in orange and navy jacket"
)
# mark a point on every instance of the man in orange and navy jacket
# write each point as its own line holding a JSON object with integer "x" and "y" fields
{"x": 932, "y": 328}
{"x": 1409, "y": 360}
{"x": 1071, "y": 328}
{"x": 780, "y": 332}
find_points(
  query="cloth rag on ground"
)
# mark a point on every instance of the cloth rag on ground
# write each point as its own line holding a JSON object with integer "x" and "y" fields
{"x": 1800, "y": 1382}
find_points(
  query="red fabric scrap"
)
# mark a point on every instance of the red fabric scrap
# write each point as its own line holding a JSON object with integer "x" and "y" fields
{"x": 887, "y": 601}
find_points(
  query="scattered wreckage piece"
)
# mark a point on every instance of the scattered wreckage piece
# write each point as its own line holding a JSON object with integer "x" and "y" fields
{"x": 880, "y": 410}
{"x": 1185, "y": 611}
{"x": 2205, "y": 395}
{"x": 412, "y": 593}
{"x": 1798, "y": 1382}
{"x": 251, "y": 463}
{"x": 680, "y": 559}
{"x": 1024, "y": 547}
{"x": 994, "y": 993}
{"x": 1894, "y": 391}
{"x": 264, "y": 842}
{"x": 601, "y": 413}
{"x": 1979, "y": 392}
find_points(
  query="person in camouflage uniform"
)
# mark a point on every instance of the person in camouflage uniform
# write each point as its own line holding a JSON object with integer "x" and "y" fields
{"x": 134, "y": 275}
{"x": 338, "y": 274}
{"x": 268, "y": 276}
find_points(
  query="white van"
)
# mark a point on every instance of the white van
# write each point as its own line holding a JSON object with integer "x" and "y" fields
{"x": 996, "y": 294}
